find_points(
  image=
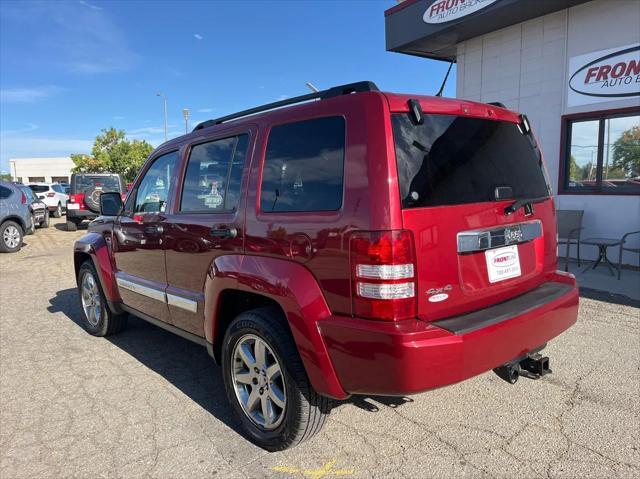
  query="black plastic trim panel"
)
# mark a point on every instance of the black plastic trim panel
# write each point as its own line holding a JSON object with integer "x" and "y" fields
{"x": 511, "y": 308}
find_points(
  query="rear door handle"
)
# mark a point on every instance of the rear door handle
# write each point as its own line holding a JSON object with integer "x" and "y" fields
{"x": 223, "y": 232}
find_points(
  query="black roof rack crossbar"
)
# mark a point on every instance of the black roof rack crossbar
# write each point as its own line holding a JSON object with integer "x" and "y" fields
{"x": 347, "y": 89}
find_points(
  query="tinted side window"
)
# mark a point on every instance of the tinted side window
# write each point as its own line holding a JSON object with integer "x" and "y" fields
{"x": 214, "y": 174}
{"x": 153, "y": 189}
{"x": 5, "y": 192}
{"x": 304, "y": 166}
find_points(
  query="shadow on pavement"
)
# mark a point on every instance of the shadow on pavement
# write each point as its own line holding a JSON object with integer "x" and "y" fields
{"x": 184, "y": 364}
{"x": 63, "y": 226}
{"x": 187, "y": 365}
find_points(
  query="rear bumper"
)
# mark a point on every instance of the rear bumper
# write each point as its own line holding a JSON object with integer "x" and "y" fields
{"x": 372, "y": 357}
{"x": 81, "y": 214}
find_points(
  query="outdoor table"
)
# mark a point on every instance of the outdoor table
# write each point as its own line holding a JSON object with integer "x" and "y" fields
{"x": 602, "y": 244}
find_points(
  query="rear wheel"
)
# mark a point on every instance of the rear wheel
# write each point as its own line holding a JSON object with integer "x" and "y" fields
{"x": 57, "y": 213}
{"x": 10, "y": 237}
{"x": 99, "y": 320}
{"x": 266, "y": 382}
{"x": 72, "y": 225}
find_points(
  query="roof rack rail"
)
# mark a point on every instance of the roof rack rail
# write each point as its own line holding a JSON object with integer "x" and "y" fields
{"x": 347, "y": 89}
{"x": 497, "y": 103}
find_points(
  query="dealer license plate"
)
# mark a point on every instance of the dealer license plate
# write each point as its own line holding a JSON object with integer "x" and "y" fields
{"x": 503, "y": 263}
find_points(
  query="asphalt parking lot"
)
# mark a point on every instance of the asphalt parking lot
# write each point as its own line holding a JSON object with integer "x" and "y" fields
{"x": 146, "y": 403}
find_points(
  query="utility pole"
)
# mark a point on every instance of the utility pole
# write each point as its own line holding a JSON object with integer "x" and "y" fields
{"x": 185, "y": 114}
{"x": 163, "y": 96}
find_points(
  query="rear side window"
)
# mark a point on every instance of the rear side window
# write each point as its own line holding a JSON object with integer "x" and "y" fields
{"x": 214, "y": 175}
{"x": 39, "y": 188}
{"x": 451, "y": 160}
{"x": 304, "y": 166}
{"x": 5, "y": 192}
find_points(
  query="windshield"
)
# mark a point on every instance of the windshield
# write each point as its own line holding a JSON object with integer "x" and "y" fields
{"x": 83, "y": 183}
{"x": 451, "y": 160}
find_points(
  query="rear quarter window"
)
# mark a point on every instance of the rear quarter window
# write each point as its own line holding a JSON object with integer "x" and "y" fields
{"x": 304, "y": 166}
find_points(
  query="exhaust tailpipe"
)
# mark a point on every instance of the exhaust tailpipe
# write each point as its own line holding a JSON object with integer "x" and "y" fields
{"x": 532, "y": 366}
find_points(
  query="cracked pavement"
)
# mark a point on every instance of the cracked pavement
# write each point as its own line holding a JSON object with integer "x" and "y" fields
{"x": 146, "y": 403}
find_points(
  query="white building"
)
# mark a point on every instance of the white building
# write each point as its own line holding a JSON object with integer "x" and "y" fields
{"x": 572, "y": 66}
{"x": 57, "y": 169}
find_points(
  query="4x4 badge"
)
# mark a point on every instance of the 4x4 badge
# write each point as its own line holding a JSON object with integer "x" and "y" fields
{"x": 438, "y": 294}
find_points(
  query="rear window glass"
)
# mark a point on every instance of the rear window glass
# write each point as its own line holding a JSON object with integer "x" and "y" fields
{"x": 84, "y": 183}
{"x": 303, "y": 166}
{"x": 39, "y": 188}
{"x": 453, "y": 160}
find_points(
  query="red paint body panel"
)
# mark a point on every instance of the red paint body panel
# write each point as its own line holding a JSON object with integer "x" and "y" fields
{"x": 414, "y": 356}
{"x": 293, "y": 287}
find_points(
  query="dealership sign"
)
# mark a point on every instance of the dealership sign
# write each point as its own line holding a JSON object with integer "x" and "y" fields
{"x": 442, "y": 11}
{"x": 605, "y": 75}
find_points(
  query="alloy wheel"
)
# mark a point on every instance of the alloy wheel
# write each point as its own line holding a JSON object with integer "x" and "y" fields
{"x": 11, "y": 237}
{"x": 91, "y": 301}
{"x": 259, "y": 382}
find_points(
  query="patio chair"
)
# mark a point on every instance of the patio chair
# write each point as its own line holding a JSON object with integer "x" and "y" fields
{"x": 569, "y": 228}
{"x": 627, "y": 248}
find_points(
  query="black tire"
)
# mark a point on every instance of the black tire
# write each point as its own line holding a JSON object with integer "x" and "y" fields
{"x": 107, "y": 323}
{"x": 305, "y": 410}
{"x": 33, "y": 225}
{"x": 6, "y": 247}
{"x": 57, "y": 213}
{"x": 72, "y": 225}
{"x": 45, "y": 222}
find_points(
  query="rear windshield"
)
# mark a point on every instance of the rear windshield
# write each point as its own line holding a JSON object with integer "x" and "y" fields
{"x": 83, "y": 183}
{"x": 451, "y": 160}
{"x": 39, "y": 188}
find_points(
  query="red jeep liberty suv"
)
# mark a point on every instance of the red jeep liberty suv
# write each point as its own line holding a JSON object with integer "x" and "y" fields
{"x": 355, "y": 242}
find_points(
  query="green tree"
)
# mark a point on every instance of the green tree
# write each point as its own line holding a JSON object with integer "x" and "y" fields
{"x": 6, "y": 176}
{"x": 626, "y": 152}
{"x": 113, "y": 153}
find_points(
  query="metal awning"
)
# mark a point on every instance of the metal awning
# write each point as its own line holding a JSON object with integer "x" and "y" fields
{"x": 433, "y": 28}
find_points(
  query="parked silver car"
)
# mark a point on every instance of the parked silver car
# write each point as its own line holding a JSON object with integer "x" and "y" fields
{"x": 15, "y": 217}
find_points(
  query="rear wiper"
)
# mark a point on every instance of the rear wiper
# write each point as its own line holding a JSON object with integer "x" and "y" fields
{"x": 516, "y": 205}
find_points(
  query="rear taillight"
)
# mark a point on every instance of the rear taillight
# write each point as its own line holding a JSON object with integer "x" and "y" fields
{"x": 383, "y": 274}
{"x": 77, "y": 198}
{"x": 23, "y": 198}
{"x": 50, "y": 195}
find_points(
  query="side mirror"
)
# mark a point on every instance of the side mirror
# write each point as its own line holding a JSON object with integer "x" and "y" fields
{"x": 110, "y": 203}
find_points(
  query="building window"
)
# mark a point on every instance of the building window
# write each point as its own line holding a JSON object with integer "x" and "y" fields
{"x": 601, "y": 153}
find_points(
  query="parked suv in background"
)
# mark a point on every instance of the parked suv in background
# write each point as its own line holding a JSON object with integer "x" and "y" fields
{"x": 39, "y": 210}
{"x": 15, "y": 217}
{"x": 360, "y": 243}
{"x": 53, "y": 196}
{"x": 84, "y": 195}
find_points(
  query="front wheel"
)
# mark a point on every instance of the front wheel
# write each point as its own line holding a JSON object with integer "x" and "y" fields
{"x": 98, "y": 318}
{"x": 45, "y": 222}
{"x": 57, "y": 213}
{"x": 266, "y": 382}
